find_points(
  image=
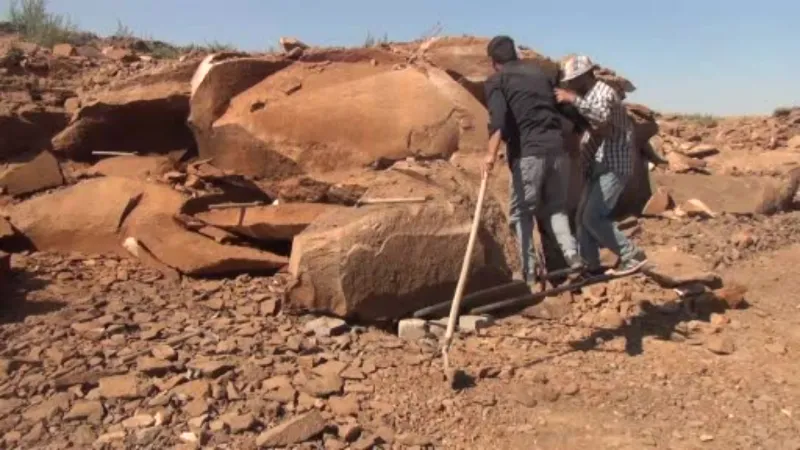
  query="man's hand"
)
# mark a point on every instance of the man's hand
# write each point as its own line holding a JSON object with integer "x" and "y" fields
{"x": 564, "y": 95}
{"x": 488, "y": 164}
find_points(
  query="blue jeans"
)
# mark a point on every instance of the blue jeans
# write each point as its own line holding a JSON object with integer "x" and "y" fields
{"x": 595, "y": 226}
{"x": 539, "y": 189}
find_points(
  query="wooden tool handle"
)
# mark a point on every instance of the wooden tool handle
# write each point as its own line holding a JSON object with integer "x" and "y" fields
{"x": 465, "y": 266}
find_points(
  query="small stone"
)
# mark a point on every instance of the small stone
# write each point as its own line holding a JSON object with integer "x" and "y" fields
{"x": 659, "y": 203}
{"x": 412, "y": 329}
{"x": 165, "y": 352}
{"x": 353, "y": 373}
{"x": 326, "y": 327}
{"x": 268, "y": 307}
{"x": 344, "y": 406}
{"x": 732, "y": 296}
{"x": 139, "y": 421}
{"x": 211, "y": 369}
{"x": 719, "y": 320}
{"x": 90, "y": 410}
{"x": 349, "y": 432}
{"x": 776, "y": 348}
{"x": 110, "y": 437}
{"x": 706, "y": 438}
{"x": 120, "y": 386}
{"x": 193, "y": 389}
{"x": 239, "y": 423}
{"x": 188, "y": 437}
{"x": 570, "y": 389}
{"x": 293, "y": 431}
{"x": 145, "y": 437}
{"x": 196, "y": 407}
{"x": 153, "y": 366}
{"x": 48, "y": 409}
{"x": 720, "y": 345}
{"x": 324, "y": 386}
{"x": 83, "y": 436}
{"x": 472, "y": 324}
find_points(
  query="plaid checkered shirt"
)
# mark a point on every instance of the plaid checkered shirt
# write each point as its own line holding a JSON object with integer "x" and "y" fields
{"x": 611, "y": 140}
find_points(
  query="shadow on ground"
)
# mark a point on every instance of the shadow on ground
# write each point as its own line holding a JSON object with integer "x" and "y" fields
{"x": 16, "y": 303}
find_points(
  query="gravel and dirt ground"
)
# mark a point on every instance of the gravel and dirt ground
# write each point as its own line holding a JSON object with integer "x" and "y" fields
{"x": 99, "y": 350}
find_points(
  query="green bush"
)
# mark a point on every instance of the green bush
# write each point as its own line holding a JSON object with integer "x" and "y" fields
{"x": 32, "y": 20}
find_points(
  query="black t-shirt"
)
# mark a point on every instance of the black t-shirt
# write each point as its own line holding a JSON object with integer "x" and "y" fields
{"x": 522, "y": 105}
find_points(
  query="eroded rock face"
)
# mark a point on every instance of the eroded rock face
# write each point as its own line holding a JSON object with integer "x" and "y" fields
{"x": 385, "y": 261}
{"x": 146, "y": 114}
{"x": 98, "y": 215}
{"x": 312, "y": 118}
{"x": 734, "y": 195}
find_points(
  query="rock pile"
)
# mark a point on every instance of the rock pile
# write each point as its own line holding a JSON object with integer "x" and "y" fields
{"x": 352, "y": 169}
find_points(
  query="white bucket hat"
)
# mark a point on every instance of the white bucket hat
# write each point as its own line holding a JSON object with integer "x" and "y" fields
{"x": 575, "y": 66}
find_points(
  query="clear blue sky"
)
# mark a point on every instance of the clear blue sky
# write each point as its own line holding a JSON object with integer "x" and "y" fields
{"x": 703, "y": 56}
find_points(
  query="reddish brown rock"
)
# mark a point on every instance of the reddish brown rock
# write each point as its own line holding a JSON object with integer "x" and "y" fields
{"x": 39, "y": 173}
{"x": 97, "y": 215}
{"x": 290, "y": 43}
{"x": 679, "y": 163}
{"x": 135, "y": 167}
{"x": 734, "y": 195}
{"x": 644, "y": 122}
{"x": 387, "y": 261}
{"x": 64, "y": 50}
{"x": 659, "y": 203}
{"x": 293, "y": 431}
{"x": 145, "y": 114}
{"x": 732, "y": 296}
{"x": 84, "y": 218}
{"x": 431, "y": 116}
{"x": 30, "y": 131}
{"x": 275, "y": 222}
{"x": 215, "y": 83}
{"x": 120, "y": 54}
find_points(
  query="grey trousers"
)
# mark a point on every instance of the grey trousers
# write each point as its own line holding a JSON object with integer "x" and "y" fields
{"x": 595, "y": 227}
{"x": 539, "y": 189}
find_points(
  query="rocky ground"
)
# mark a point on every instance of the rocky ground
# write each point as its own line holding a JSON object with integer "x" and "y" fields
{"x": 102, "y": 352}
{"x": 158, "y": 300}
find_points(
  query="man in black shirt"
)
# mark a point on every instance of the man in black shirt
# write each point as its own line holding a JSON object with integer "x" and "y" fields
{"x": 523, "y": 113}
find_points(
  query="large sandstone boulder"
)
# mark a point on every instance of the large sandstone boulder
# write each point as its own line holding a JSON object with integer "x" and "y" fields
{"x": 98, "y": 215}
{"x": 385, "y": 261}
{"x": 731, "y": 194}
{"x": 145, "y": 114}
{"x": 216, "y": 82}
{"x": 312, "y": 118}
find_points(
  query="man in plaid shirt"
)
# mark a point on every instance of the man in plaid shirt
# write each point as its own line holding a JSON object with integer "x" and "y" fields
{"x": 606, "y": 151}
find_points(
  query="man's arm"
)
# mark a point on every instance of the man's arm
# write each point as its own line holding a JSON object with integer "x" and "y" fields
{"x": 596, "y": 108}
{"x": 498, "y": 111}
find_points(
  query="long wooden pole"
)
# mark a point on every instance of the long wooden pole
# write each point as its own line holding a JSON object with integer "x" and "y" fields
{"x": 462, "y": 280}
